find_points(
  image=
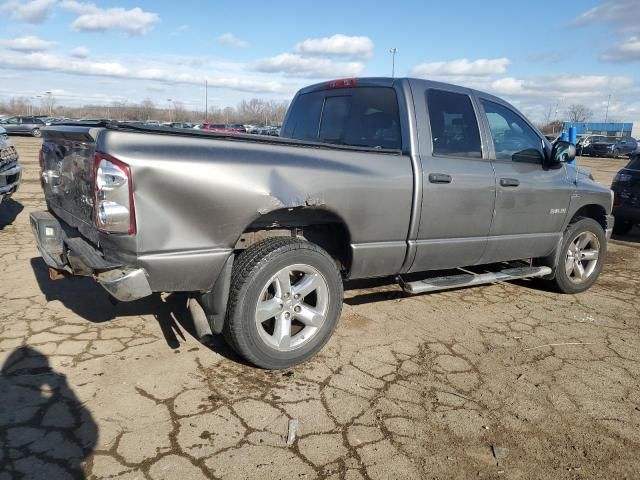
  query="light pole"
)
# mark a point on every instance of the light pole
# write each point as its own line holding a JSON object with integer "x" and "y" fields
{"x": 393, "y": 51}
{"x": 50, "y": 102}
{"x": 206, "y": 101}
{"x": 170, "y": 110}
{"x": 606, "y": 113}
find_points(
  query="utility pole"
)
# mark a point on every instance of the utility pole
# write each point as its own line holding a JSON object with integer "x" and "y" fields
{"x": 170, "y": 110}
{"x": 206, "y": 102}
{"x": 393, "y": 51}
{"x": 49, "y": 101}
{"x": 606, "y": 113}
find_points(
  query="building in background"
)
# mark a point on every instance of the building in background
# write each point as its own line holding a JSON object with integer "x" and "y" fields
{"x": 608, "y": 129}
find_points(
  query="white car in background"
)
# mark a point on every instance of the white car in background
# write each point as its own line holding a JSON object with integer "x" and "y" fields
{"x": 10, "y": 169}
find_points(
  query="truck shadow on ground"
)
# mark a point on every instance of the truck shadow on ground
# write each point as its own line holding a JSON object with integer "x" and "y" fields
{"x": 45, "y": 431}
{"x": 87, "y": 299}
{"x": 9, "y": 211}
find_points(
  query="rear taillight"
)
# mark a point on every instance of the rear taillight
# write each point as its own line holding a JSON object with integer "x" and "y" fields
{"x": 622, "y": 178}
{"x": 41, "y": 162}
{"x": 113, "y": 200}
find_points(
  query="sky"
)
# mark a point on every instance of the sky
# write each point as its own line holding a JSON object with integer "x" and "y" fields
{"x": 540, "y": 55}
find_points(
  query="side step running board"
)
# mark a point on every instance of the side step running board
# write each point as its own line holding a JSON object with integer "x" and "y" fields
{"x": 470, "y": 279}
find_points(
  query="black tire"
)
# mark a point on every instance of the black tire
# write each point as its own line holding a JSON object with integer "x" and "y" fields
{"x": 562, "y": 280}
{"x": 252, "y": 272}
{"x": 36, "y": 132}
{"x": 616, "y": 153}
{"x": 622, "y": 227}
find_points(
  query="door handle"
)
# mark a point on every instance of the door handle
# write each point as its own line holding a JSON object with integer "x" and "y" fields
{"x": 509, "y": 182}
{"x": 439, "y": 178}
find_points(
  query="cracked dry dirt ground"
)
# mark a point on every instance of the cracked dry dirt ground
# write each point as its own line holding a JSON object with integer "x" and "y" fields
{"x": 448, "y": 385}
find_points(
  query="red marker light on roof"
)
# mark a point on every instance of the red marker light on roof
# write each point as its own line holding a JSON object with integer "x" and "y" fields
{"x": 342, "y": 83}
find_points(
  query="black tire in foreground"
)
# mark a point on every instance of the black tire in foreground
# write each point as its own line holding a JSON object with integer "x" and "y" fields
{"x": 284, "y": 304}
{"x": 581, "y": 257}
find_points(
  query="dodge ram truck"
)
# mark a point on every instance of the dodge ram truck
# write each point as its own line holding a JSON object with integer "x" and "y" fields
{"x": 371, "y": 177}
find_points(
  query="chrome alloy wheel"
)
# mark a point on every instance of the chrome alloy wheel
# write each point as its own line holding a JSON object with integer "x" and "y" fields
{"x": 292, "y": 307}
{"x": 582, "y": 257}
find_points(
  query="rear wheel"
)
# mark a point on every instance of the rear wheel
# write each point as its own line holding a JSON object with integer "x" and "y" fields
{"x": 582, "y": 255}
{"x": 36, "y": 132}
{"x": 285, "y": 301}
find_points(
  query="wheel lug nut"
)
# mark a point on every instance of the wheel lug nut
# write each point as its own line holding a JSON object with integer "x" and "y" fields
{"x": 287, "y": 315}
{"x": 297, "y": 309}
{"x": 281, "y": 306}
{"x": 296, "y": 296}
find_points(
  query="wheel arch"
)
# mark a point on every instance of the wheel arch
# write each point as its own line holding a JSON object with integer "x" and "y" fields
{"x": 593, "y": 210}
{"x": 318, "y": 225}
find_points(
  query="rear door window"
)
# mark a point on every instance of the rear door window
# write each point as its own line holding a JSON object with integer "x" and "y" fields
{"x": 362, "y": 117}
{"x": 454, "y": 126}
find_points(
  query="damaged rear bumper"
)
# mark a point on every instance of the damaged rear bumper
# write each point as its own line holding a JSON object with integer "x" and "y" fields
{"x": 76, "y": 256}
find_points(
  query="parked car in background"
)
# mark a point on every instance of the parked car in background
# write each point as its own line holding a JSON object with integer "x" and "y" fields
{"x": 602, "y": 147}
{"x": 585, "y": 143}
{"x": 224, "y": 128}
{"x": 23, "y": 124}
{"x": 178, "y": 125}
{"x": 624, "y": 146}
{"x": 626, "y": 189}
{"x": 371, "y": 177}
{"x": 10, "y": 169}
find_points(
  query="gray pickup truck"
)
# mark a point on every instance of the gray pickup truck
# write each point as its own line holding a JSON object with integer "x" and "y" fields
{"x": 371, "y": 177}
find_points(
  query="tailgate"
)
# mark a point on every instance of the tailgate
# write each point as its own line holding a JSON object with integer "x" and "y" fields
{"x": 67, "y": 173}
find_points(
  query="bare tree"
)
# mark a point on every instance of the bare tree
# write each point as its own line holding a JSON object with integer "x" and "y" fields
{"x": 146, "y": 110}
{"x": 48, "y": 102}
{"x": 578, "y": 113}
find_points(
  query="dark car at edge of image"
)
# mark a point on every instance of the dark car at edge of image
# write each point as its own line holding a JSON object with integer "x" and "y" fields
{"x": 626, "y": 189}
{"x": 625, "y": 146}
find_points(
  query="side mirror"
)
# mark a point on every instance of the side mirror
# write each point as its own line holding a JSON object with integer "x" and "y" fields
{"x": 562, "y": 152}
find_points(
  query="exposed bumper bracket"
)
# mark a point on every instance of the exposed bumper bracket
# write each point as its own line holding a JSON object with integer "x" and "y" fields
{"x": 125, "y": 285}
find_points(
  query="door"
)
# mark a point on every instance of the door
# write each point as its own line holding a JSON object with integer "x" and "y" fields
{"x": 531, "y": 200}
{"x": 458, "y": 182}
{"x": 12, "y": 124}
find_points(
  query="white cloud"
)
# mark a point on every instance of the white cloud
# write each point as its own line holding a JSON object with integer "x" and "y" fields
{"x": 179, "y": 30}
{"x": 134, "y": 21}
{"x": 31, "y": 11}
{"x": 482, "y": 67}
{"x": 80, "y": 52}
{"x": 617, "y": 14}
{"x": 232, "y": 41}
{"x": 160, "y": 71}
{"x": 295, "y": 65}
{"x": 27, "y": 43}
{"x": 338, "y": 45}
{"x": 627, "y": 51}
{"x": 621, "y": 18}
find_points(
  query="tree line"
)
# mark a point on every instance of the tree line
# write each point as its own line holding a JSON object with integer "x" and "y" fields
{"x": 256, "y": 111}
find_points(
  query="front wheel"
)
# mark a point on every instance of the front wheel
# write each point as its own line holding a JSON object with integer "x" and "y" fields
{"x": 285, "y": 301}
{"x": 581, "y": 257}
{"x": 616, "y": 153}
{"x": 36, "y": 132}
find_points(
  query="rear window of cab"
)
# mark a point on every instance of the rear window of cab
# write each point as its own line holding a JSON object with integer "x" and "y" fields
{"x": 360, "y": 117}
